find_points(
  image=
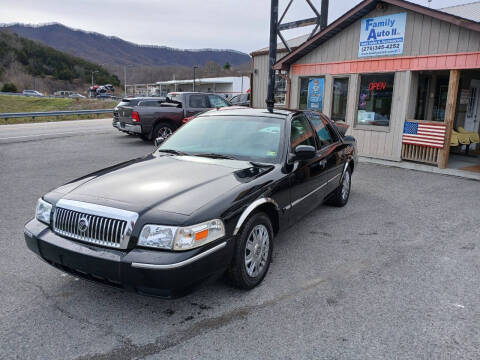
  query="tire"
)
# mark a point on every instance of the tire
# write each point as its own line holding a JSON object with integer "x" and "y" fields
{"x": 340, "y": 196}
{"x": 162, "y": 130}
{"x": 253, "y": 254}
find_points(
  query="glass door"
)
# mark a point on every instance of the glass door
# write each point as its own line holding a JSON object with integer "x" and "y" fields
{"x": 339, "y": 101}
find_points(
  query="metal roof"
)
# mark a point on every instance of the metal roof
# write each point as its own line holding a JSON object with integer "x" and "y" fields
{"x": 198, "y": 81}
{"x": 292, "y": 43}
{"x": 469, "y": 11}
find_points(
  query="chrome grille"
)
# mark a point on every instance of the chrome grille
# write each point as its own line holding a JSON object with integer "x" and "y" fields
{"x": 93, "y": 223}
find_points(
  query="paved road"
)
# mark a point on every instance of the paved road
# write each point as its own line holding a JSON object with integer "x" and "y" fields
{"x": 395, "y": 274}
{"x": 51, "y": 130}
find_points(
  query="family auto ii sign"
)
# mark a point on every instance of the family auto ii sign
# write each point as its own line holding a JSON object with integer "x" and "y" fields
{"x": 382, "y": 35}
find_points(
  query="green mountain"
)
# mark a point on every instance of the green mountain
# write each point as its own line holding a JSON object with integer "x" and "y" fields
{"x": 21, "y": 58}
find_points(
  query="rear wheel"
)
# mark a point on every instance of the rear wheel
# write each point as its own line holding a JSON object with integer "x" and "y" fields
{"x": 253, "y": 252}
{"x": 341, "y": 194}
{"x": 163, "y": 130}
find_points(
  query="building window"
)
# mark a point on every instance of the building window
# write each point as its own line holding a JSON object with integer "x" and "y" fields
{"x": 311, "y": 93}
{"x": 280, "y": 92}
{"x": 375, "y": 99}
{"x": 339, "y": 101}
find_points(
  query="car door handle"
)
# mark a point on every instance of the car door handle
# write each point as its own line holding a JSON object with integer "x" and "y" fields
{"x": 323, "y": 163}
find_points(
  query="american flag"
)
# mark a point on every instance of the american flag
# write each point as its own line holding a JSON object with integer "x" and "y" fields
{"x": 424, "y": 134}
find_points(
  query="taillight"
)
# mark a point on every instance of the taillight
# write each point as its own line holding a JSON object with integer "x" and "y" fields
{"x": 135, "y": 116}
{"x": 187, "y": 119}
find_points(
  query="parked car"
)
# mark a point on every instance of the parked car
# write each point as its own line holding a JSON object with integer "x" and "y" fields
{"x": 241, "y": 100}
{"x": 152, "y": 117}
{"x": 209, "y": 200}
{"x": 32, "y": 93}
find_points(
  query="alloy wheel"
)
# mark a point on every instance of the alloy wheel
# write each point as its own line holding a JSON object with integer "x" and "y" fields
{"x": 164, "y": 132}
{"x": 256, "y": 250}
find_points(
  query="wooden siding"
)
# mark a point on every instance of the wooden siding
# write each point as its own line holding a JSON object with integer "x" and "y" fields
{"x": 380, "y": 142}
{"x": 423, "y": 36}
{"x": 260, "y": 79}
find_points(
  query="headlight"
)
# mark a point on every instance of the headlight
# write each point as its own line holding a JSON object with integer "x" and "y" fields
{"x": 43, "y": 211}
{"x": 181, "y": 238}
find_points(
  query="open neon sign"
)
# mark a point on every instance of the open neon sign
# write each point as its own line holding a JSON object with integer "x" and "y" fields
{"x": 377, "y": 85}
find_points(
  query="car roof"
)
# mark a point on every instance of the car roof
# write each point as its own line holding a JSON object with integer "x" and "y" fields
{"x": 191, "y": 92}
{"x": 144, "y": 98}
{"x": 245, "y": 111}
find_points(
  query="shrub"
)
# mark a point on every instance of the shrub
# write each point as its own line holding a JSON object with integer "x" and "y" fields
{"x": 9, "y": 87}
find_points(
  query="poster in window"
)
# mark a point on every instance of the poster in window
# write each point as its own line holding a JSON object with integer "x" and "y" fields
{"x": 315, "y": 94}
{"x": 382, "y": 35}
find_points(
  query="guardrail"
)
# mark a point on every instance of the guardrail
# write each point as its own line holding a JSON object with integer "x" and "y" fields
{"x": 59, "y": 97}
{"x": 33, "y": 115}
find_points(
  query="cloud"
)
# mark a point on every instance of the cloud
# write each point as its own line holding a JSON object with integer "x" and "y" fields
{"x": 235, "y": 24}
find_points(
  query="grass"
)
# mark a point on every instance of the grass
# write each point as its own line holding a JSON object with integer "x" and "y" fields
{"x": 10, "y": 104}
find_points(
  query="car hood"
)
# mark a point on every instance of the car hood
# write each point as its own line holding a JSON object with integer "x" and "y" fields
{"x": 176, "y": 184}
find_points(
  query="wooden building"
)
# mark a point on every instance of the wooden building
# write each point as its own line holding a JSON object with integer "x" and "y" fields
{"x": 406, "y": 78}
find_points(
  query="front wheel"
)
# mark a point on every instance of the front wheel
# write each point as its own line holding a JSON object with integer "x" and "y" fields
{"x": 253, "y": 252}
{"x": 341, "y": 194}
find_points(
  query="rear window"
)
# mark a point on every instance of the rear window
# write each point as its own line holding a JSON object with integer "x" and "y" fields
{"x": 127, "y": 102}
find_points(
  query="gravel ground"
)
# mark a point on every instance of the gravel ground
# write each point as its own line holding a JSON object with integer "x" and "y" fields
{"x": 393, "y": 275}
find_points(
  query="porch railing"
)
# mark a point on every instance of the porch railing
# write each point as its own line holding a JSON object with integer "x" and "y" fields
{"x": 419, "y": 153}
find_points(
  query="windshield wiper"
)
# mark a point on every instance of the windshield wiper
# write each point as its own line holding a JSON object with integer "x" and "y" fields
{"x": 171, "y": 151}
{"x": 260, "y": 164}
{"x": 216, "y": 156}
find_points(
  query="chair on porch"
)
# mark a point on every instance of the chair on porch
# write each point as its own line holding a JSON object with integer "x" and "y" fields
{"x": 474, "y": 138}
{"x": 458, "y": 139}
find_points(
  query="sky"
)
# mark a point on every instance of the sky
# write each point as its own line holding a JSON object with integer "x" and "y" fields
{"x": 189, "y": 24}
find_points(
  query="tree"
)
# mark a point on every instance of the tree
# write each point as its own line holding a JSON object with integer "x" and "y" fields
{"x": 9, "y": 87}
{"x": 227, "y": 66}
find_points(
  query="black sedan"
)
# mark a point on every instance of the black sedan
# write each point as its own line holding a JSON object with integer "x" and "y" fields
{"x": 209, "y": 200}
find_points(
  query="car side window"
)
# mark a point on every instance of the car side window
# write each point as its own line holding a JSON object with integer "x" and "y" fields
{"x": 216, "y": 101}
{"x": 324, "y": 134}
{"x": 301, "y": 132}
{"x": 198, "y": 101}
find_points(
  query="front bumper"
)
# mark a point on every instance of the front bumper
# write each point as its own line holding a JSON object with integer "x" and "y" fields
{"x": 160, "y": 273}
{"x": 128, "y": 128}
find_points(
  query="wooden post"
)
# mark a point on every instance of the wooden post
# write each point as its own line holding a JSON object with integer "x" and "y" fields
{"x": 449, "y": 116}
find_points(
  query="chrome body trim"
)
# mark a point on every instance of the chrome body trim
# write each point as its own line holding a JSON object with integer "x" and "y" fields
{"x": 249, "y": 210}
{"x": 137, "y": 129}
{"x": 68, "y": 213}
{"x": 181, "y": 263}
{"x": 345, "y": 169}
{"x": 310, "y": 193}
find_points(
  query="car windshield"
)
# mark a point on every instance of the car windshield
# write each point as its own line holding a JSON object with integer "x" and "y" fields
{"x": 250, "y": 138}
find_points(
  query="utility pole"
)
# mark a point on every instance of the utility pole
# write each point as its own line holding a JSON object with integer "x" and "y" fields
{"x": 125, "y": 80}
{"x": 319, "y": 21}
{"x": 93, "y": 72}
{"x": 194, "y": 68}
{"x": 272, "y": 55}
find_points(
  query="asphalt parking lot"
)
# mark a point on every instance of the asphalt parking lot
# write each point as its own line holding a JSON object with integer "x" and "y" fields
{"x": 393, "y": 275}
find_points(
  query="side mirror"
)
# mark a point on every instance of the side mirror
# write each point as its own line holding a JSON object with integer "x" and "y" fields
{"x": 305, "y": 152}
{"x": 159, "y": 141}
